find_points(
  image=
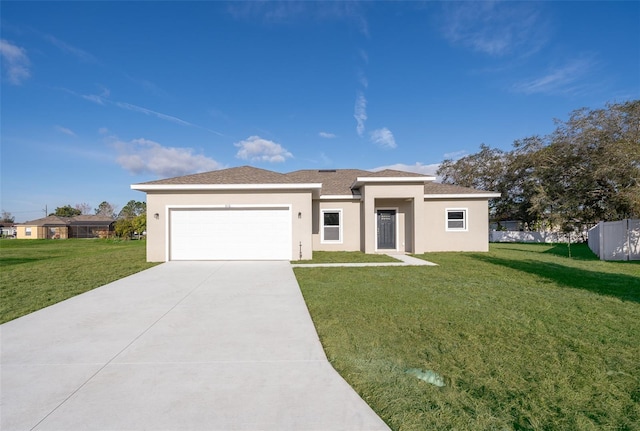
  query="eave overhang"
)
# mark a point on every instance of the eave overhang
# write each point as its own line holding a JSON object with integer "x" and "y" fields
{"x": 462, "y": 196}
{"x": 360, "y": 181}
{"x": 313, "y": 187}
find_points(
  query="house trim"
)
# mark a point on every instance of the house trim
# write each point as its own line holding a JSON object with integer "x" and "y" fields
{"x": 340, "y": 225}
{"x": 465, "y": 211}
{"x": 368, "y": 180}
{"x": 168, "y": 187}
{"x": 463, "y": 196}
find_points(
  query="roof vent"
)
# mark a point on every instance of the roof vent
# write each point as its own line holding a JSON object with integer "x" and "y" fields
{"x": 326, "y": 170}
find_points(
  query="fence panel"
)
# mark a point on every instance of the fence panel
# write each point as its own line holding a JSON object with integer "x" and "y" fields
{"x": 532, "y": 236}
{"x": 593, "y": 239}
{"x": 615, "y": 245}
{"x": 634, "y": 239}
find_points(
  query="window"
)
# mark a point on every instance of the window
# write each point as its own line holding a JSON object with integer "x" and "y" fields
{"x": 27, "y": 231}
{"x": 457, "y": 219}
{"x": 331, "y": 226}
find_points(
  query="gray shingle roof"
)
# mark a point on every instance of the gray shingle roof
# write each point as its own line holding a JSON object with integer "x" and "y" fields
{"x": 334, "y": 181}
{"x": 432, "y": 188}
{"x": 239, "y": 175}
{"x": 85, "y": 219}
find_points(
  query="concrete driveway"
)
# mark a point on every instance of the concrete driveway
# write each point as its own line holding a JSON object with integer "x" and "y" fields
{"x": 184, "y": 345}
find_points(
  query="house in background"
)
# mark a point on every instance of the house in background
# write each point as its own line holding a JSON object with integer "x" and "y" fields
{"x": 54, "y": 227}
{"x": 255, "y": 214}
{"x": 7, "y": 230}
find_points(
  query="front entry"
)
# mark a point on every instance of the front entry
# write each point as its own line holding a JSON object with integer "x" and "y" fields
{"x": 386, "y": 229}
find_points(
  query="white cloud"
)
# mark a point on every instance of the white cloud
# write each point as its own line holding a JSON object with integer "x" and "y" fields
{"x": 417, "y": 168}
{"x": 281, "y": 12}
{"x": 15, "y": 62}
{"x": 65, "y": 131}
{"x": 362, "y": 78}
{"x": 326, "y": 135}
{"x": 145, "y": 156}
{"x": 103, "y": 130}
{"x": 560, "y": 80}
{"x": 255, "y": 148}
{"x": 146, "y": 111}
{"x": 77, "y": 52}
{"x": 383, "y": 137}
{"x": 360, "y": 112}
{"x": 455, "y": 155}
{"x": 495, "y": 28}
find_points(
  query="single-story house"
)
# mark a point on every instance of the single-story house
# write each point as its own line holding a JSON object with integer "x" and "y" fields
{"x": 7, "y": 230}
{"x": 55, "y": 227}
{"x": 255, "y": 214}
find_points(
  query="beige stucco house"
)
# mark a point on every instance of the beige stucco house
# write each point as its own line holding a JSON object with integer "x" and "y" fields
{"x": 55, "y": 227}
{"x": 256, "y": 214}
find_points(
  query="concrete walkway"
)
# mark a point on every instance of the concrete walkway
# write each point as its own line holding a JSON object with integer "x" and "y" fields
{"x": 405, "y": 260}
{"x": 184, "y": 345}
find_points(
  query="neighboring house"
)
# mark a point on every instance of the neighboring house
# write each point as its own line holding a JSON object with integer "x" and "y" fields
{"x": 256, "y": 214}
{"x": 54, "y": 227}
{"x": 7, "y": 230}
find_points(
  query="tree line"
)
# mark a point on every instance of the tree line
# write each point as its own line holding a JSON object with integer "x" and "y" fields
{"x": 587, "y": 170}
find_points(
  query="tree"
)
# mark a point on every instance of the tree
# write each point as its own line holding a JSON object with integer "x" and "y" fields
{"x": 84, "y": 208}
{"x": 133, "y": 209}
{"x": 106, "y": 209}
{"x": 586, "y": 170}
{"x": 66, "y": 211}
{"x": 7, "y": 217}
{"x": 124, "y": 228}
{"x": 484, "y": 170}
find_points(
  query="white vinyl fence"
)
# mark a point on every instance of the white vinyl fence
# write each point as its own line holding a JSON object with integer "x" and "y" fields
{"x": 533, "y": 236}
{"x": 616, "y": 240}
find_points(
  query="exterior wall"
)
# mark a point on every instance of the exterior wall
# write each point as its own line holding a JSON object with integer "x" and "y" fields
{"x": 404, "y": 222}
{"x": 21, "y": 232}
{"x": 161, "y": 202}
{"x": 42, "y": 232}
{"x": 404, "y": 196}
{"x": 350, "y": 224}
{"x": 475, "y": 238}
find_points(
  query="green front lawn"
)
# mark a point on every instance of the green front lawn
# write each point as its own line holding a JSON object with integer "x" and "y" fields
{"x": 346, "y": 257}
{"x": 37, "y": 273}
{"x": 524, "y": 337}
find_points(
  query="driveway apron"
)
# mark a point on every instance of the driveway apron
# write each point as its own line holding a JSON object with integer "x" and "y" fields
{"x": 181, "y": 346}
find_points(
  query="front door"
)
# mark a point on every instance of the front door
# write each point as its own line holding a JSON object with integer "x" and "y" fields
{"x": 386, "y": 229}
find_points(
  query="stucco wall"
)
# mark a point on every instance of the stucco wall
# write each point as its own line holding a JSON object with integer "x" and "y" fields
{"x": 376, "y": 196}
{"x": 476, "y": 238}
{"x": 350, "y": 224}
{"x": 161, "y": 202}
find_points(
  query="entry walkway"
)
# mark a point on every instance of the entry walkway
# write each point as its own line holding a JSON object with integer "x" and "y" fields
{"x": 405, "y": 260}
{"x": 181, "y": 346}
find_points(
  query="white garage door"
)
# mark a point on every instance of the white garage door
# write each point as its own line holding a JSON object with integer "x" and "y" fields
{"x": 230, "y": 234}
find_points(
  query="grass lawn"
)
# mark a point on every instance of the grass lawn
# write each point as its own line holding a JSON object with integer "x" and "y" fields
{"x": 346, "y": 257}
{"x": 37, "y": 273}
{"x": 524, "y": 337}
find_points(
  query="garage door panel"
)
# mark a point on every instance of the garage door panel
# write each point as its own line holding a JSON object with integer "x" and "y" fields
{"x": 230, "y": 234}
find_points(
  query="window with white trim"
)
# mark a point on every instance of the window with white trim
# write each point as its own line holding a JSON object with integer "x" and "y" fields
{"x": 456, "y": 219}
{"x": 27, "y": 231}
{"x": 331, "y": 226}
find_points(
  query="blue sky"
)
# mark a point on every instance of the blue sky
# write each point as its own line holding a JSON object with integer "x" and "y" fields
{"x": 96, "y": 96}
